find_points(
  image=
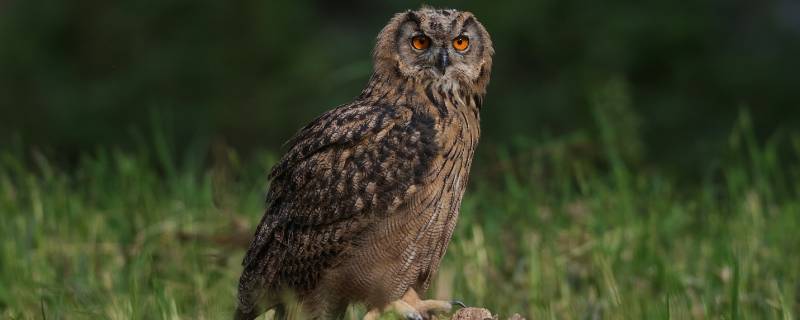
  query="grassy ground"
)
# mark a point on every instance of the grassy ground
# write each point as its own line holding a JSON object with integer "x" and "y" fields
{"x": 542, "y": 233}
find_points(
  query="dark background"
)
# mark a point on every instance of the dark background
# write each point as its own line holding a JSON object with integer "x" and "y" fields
{"x": 671, "y": 77}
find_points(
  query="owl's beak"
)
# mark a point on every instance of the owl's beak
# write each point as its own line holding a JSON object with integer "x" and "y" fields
{"x": 442, "y": 60}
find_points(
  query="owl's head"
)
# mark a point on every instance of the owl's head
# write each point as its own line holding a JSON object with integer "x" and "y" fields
{"x": 431, "y": 45}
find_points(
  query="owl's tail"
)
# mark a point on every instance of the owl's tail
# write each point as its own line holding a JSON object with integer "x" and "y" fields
{"x": 242, "y": 314}
{"x": 257, "y": 274}
{"x": 250, "y": 291}
{"x": 245, "y": 315}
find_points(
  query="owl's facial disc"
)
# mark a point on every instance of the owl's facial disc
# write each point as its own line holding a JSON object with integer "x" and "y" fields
{"x": 441, "y": 45}
{"x": 448, "y": 47}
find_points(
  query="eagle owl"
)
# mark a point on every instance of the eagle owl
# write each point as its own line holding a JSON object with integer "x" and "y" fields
{"x": 362, "y": 206}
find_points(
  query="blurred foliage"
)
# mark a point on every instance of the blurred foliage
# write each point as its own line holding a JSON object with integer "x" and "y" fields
{"x": 78, "y": 74}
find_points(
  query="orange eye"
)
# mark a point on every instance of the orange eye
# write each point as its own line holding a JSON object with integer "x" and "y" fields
{"x": 420, "y": 42}
{"x": 461, "y": 43}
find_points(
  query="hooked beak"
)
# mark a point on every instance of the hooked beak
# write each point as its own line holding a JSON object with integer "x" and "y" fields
{"x": 442, "y": 60}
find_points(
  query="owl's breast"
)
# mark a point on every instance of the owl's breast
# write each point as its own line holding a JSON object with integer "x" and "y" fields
{"x": 403, "y": 247}
{"x": 436, "y": 207}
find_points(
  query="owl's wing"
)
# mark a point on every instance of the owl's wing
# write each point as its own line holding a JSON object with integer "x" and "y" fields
{"x": 353, "y": 161}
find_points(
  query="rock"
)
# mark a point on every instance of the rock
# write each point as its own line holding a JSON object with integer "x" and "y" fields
{"x": 479, "y": 314}
{"x": 472, "y": 314}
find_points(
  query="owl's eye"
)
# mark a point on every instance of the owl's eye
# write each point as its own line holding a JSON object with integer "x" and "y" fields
{"x": 420, "y": 42}
{"x": 461, "y": 43}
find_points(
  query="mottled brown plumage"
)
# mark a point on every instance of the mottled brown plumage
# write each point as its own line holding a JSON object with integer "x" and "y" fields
{"x": 362, "y": 206}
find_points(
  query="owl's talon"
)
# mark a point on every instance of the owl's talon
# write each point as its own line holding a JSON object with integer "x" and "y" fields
{"x": 458, "y": 303}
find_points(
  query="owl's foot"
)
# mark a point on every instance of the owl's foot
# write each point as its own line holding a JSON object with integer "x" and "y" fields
{"x": 411, "y": 307}
{"x": 430, "y": 308}
{"x": 399, "y": 307}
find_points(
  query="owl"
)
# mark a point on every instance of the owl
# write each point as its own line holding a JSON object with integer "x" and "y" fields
{"x": 362, "y": 206}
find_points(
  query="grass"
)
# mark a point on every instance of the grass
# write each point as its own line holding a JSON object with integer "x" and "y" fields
{"x": 543, "y": 232}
